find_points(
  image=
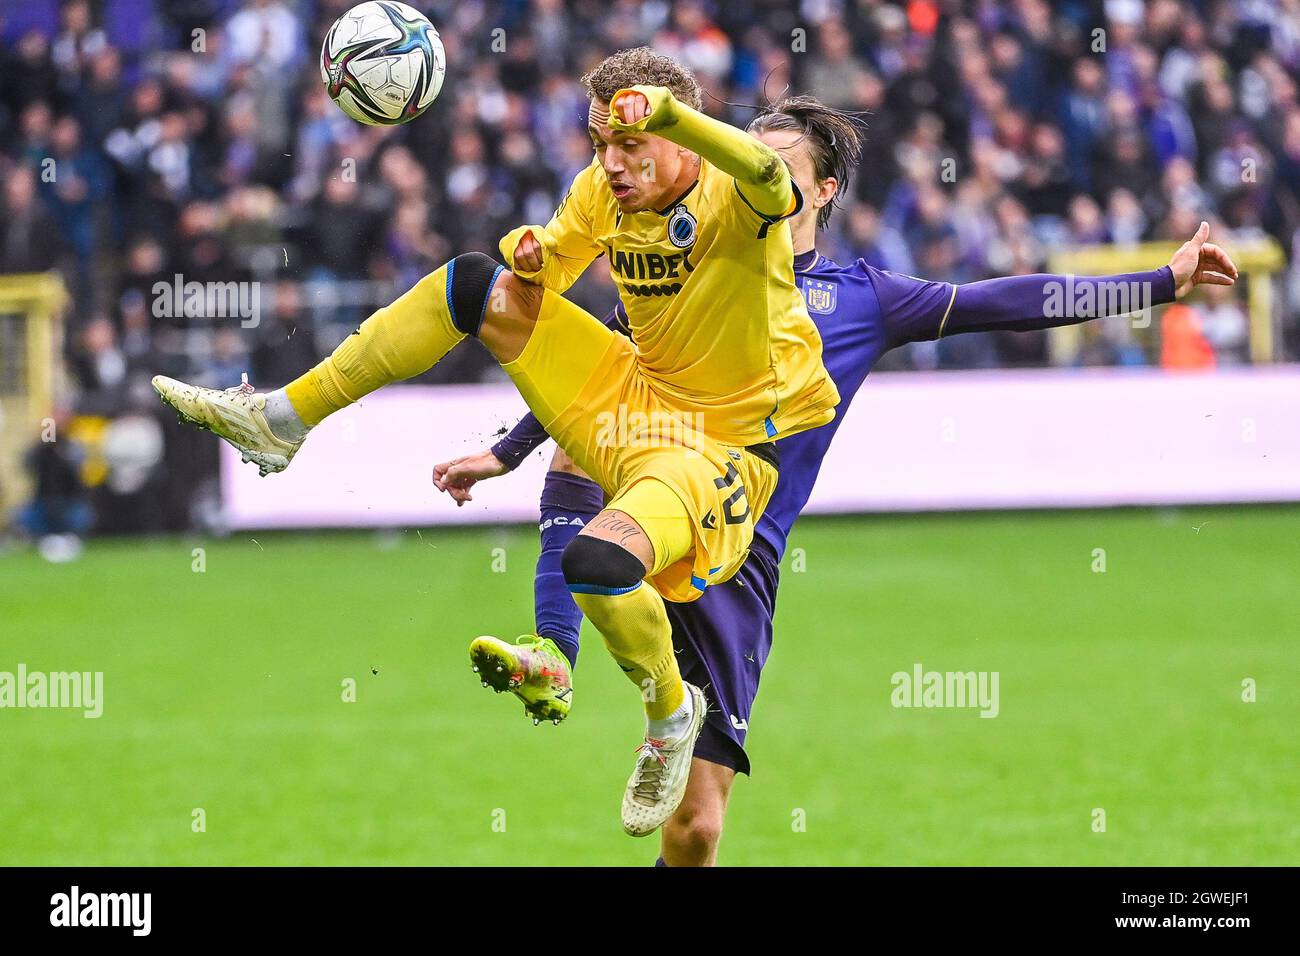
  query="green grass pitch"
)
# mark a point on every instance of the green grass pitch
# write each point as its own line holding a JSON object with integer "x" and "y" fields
{"x": 1120, "y": 691}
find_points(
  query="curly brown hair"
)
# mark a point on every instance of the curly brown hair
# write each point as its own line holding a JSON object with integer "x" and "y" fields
{"x": 641, "y": 65}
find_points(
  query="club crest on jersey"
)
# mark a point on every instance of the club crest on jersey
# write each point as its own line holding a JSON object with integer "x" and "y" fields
{"x": 681, "y": 228}
{"x": 819, "y": 295}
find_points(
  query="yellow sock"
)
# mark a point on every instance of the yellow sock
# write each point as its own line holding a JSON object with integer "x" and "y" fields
{"x": 400, "y": 340}
{"x": 635, "y": 625}
{"x": 638, "y": 635}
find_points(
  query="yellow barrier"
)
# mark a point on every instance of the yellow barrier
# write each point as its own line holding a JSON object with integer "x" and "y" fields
{"x": 31, "y": 338}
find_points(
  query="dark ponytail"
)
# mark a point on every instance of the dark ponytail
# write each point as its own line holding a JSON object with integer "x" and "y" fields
{"x": 834, "y": 139}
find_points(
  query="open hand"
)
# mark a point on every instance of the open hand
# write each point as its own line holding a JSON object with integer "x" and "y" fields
{"x": 1200, "y": 262}
{"x": 458, "y": 476}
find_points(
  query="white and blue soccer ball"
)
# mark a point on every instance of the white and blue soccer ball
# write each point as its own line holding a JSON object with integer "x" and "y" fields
{"x": 382, "y": 63}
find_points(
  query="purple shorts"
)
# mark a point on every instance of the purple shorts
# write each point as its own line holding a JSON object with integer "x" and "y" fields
{"x": 722, "y": 641}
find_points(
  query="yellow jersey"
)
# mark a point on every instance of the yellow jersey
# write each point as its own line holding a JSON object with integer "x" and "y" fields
{"x": 720, "y": 329}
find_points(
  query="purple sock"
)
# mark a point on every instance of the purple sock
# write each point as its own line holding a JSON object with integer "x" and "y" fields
{"x": 568, "y": 503}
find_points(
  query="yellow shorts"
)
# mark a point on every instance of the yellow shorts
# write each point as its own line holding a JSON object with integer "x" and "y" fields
{"x": 585, "y": 386}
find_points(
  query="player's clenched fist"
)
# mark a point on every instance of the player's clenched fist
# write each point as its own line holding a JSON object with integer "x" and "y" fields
{"x": 641, "y": 109}
{"x": 631, "y": 107}
{"x": 526, "y": 249}
{"x": 528, "y": 254}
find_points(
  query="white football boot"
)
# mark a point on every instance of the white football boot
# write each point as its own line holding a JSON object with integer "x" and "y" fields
{"x": 658, "y": 784}
{"x": 234, "y": 414}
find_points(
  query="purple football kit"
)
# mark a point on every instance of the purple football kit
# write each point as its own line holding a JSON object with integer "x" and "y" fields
{"x": 724, "y": 637}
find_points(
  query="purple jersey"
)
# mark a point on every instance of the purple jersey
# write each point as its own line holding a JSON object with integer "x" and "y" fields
{"x": 862, "y": 312}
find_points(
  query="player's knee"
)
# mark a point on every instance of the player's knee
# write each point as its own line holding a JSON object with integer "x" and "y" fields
{"x": 593, "y": 565}
{"x": 694, "y": 833}
{"x": 470, "y": 280}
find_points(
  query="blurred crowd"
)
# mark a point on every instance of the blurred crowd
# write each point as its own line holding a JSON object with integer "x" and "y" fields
{"x": 142, "y": 139}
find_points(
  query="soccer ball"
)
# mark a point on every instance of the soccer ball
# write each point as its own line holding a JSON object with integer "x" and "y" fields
{"x": 382, "y": 63}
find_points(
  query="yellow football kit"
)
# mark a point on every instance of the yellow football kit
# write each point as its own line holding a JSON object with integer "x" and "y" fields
{"x": 723, "y": 359}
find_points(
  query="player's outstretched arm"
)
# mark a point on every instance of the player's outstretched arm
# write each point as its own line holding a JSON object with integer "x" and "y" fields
{"x": 761, "y": 176}
{"x": 916, "y": 310}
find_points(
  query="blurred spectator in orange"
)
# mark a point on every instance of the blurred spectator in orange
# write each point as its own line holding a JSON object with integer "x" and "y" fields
{"x": 1183, "y": 347}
